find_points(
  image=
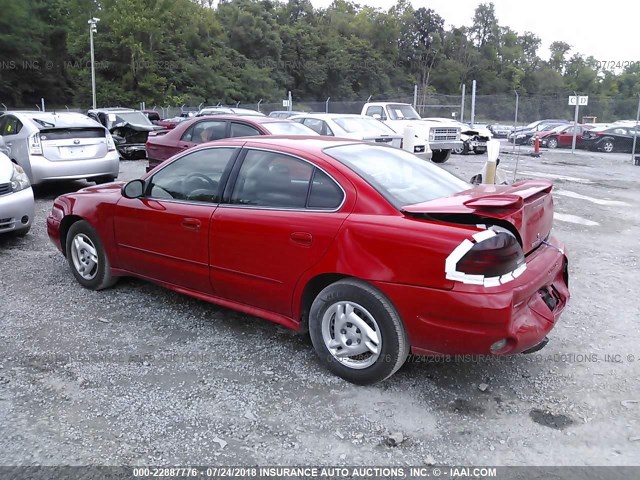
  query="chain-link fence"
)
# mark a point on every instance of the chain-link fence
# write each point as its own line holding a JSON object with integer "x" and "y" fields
{"x": 488, "y": 108}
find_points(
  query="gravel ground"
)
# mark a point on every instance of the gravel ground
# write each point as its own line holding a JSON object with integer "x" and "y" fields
{"x": 138, "y": 375}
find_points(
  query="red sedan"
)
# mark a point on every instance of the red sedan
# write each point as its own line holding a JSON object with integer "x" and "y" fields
{"x": 187, "y": 134}
{"x": 562, "y": 136}
{"x": 375, "y": 252}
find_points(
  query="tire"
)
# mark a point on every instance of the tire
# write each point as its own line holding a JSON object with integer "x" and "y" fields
{"x": 607, "y": 146}
{"x": 440, "y": 156}
{"x": 88, "y": 254}
{"x": 371, "y": 309}
{"x": 105, "y": 179}
{"x": 480, "y": 151}
{"x": 552, "y": 142}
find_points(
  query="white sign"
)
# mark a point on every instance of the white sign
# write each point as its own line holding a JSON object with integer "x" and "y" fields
{"x": 285, "y": 103}
{"x": 582, "y": 100}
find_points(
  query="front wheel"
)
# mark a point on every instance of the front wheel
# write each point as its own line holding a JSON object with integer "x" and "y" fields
{"x": 440, "y": 156}
{"x": 87, "y": 258}
{"x": 357, "y": 332}
{"x": 552, "y": 142}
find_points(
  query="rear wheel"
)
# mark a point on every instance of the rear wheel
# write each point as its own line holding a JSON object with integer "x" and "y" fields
{"x": 552, "y": 142}
{"x": 357, "y": 332}
{"x": 607, "y": 146}
{"x": 440, "y": 156}
{"x": 87, "y": 258}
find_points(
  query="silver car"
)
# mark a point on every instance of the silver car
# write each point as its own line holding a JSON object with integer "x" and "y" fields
{"x": 17, "y": 205}
{"x": 60, "y": 146}
{"x": 350, "y": 126}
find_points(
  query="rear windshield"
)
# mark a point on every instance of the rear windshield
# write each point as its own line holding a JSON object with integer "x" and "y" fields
{"x": 66, "y": 133}
{"x": 362, "y": 125}
{"x": 288, "y": 128}
{"x": 402, "y": 178}
{"x": 134, "y": 118}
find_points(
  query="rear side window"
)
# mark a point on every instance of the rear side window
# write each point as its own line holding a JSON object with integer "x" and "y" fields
{"x": 325, "y": 194}
{"x": 243, "y": 130}
{"x": 12, "y": 126}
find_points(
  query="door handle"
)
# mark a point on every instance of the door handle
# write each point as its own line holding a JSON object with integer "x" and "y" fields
{"x": 303, "y": 238}
{"x": 191, "y": 223}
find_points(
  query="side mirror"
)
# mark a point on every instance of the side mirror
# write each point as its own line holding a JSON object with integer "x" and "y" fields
{"x": 377, "y": 116}
{"x": 133, "y": 189}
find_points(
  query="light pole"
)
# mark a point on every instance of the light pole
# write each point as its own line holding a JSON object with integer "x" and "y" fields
{"x": 92, "y": 29}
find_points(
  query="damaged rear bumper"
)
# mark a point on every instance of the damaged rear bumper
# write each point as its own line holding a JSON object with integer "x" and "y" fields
{"x": 473, "y": 319}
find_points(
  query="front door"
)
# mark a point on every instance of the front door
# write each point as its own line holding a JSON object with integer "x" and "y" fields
{"x": 165, "y": 235}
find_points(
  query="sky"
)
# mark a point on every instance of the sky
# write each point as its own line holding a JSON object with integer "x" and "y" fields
{"x": 606, "y": 30}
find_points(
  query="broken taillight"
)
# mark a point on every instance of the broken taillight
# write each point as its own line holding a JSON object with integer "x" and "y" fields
{"x": 493, "y": 257}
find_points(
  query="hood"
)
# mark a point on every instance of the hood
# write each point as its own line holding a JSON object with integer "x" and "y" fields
{"x": 6, "y": 168}
{"x": 105, "y": 188}
{"x": 526, "y": 205}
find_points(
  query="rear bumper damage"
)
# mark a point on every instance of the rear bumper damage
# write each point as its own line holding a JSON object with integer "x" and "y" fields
{"x": 475, "y": 319}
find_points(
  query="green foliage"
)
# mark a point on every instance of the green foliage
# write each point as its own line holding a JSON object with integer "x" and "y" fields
{"x": 171, "y": 52}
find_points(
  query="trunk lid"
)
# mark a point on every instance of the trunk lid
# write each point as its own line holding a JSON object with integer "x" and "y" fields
{"x": 526, "y": 205}
{"x": 82, "y": 143}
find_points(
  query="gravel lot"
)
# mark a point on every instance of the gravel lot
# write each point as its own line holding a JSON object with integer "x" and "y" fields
{"x": 139, "y": 375}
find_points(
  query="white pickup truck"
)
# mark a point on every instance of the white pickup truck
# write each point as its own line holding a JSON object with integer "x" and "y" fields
{"x": 442, "y": 137}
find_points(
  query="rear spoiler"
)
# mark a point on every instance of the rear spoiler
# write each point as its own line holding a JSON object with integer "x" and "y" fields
{"x": 511, "y": 200}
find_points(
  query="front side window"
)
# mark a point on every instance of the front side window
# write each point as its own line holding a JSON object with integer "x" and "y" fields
{"x": 397, "y": 175}
{"x": 206, "y": 131}
{"x": 194, "y": 177}
{"x": 371, "y": 111}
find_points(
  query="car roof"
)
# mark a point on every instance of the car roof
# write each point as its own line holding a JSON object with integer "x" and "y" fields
{"x": 310, "y": 143}
{"x": 57, "y": 119}
{"x": 113, "y": 109}
{"x": 238, "y": 118}
{"x": 333, "y": 115}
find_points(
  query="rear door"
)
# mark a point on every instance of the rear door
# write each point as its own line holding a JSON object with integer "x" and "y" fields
{"x": 276, "y": 221}
{"x": 165, "y": 235}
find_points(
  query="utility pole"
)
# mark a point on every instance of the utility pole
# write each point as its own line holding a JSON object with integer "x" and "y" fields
{"x": 575, "y": 124}
{"x": 93, "y": 22}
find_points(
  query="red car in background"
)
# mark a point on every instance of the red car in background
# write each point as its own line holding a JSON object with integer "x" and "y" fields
{"x": 187, "y": 134}
{"x": 562, "y": 136}
{"x": 374, "y": 251}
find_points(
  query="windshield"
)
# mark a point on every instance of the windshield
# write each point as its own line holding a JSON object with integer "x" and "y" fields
{"x": 288, "y": 128}
{"x": 402, "y": 112}
{"x": 362, "y": 125}
{"x": 402, "y": 178}
{"x": 135, "y": 118}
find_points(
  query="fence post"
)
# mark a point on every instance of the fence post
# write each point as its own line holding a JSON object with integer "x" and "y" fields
{"x": 464, "y": 89}
{"x": 326, "y": 105}
{"x": 473, "y": 103}
{"x": 634, "y": 159}
{"x": 259, "y": 104}
{"x": 575, "y": 124}
{"x": 290, "y": 108}
{"x": 415, "y": 96}
{"x": 515, "y": 123}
